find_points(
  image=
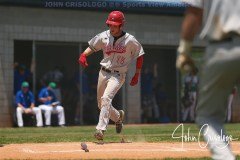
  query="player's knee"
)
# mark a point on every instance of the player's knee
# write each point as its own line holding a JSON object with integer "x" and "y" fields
{"x": 47, "y": 110}
{"x": 37, "y": 110}
{"x": 19, "y": 109}
{"x": 105, "y": 101}
{"x": 60, "y": 109}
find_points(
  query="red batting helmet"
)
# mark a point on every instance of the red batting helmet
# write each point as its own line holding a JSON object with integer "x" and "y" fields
{"x": 115, "y": 18}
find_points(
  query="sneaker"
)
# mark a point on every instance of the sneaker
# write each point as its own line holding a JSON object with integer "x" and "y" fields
{"x": 99, "y": 134}
{"x": 119, "y": 123}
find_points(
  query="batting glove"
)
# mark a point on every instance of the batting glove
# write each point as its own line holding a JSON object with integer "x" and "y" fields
{"x": 83, "y": 60}
{"x": 134, "y": 79}
{"x": 184, "y": 61}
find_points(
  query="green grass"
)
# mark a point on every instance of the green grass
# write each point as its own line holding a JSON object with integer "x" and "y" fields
{"x": 135, "y": 133}
{"x": 149, "y": 133}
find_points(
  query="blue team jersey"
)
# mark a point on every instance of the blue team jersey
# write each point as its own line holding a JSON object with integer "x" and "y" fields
{"x": 25, "y": 99}
{"x": 44, "y": 93}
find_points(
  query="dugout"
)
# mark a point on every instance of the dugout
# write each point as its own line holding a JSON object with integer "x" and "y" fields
{"x": 43, "y": 58}
{"x": 35, "y": 34}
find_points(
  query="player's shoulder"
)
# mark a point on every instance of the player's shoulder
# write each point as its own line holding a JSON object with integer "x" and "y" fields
{"x": 44, "y": 89}
{"x": 105, "y": 33}
{"x": 129, "y": 35}
{"x": 30, "y": 93}
{"x": 19, "y": 93}
{"x": 131, "y": 38}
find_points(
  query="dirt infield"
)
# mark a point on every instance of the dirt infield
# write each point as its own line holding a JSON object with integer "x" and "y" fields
{"x": 136, "y": 150}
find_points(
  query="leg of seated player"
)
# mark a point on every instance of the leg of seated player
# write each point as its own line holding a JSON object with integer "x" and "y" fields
{"x": 61, "y": 115}
{"x": 47, "y": 113}
{"x": 37, "y": 111}
{"x": 19, "y": 116}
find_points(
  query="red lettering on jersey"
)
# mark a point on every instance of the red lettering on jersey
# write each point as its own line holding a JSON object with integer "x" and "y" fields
{"x": 109, "y": 49}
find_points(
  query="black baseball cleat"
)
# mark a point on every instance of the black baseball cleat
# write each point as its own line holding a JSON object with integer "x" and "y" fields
{"x": 99, "y": 134}
{"x": 119, "y": 123}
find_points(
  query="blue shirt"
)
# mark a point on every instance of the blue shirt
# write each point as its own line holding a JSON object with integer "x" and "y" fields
{"x": 25, "y": 99}
{"x": 44, "y": 93}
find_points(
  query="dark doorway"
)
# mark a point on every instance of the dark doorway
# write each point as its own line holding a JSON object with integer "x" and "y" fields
{"x": 56, "y": 61}
{"x": 158, "y": 85}
{"x": 22, "y": 63}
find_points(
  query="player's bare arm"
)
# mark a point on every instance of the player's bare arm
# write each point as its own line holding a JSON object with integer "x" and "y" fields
{"x": 190, "y": 26}
{"x": 32, "y": 105}
{"x": 192, "y": 23}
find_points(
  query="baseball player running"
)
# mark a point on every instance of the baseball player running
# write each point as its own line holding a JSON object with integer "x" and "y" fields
{"x": 220, "y": 69}
{"x": 119, "y": 50}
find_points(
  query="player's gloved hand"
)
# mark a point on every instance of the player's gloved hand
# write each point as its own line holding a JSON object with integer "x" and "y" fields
{"x": 83, "y": 60}
{"x": 134, "y": 79}
{"x": 184, "y": 62}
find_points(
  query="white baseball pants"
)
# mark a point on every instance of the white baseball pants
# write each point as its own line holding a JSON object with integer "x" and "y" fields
{"x": 48, "y": 110}
{"x": 35, "y": 110}
{"x": 218, "y": 76}
{"x": 108, "y": 86}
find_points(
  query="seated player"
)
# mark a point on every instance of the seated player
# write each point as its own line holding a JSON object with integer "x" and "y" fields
{"x": 25, "y": 105}
{"x": 51, "y": 105}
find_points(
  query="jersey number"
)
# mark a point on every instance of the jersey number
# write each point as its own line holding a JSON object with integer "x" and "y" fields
{"x": 120, "y": 59}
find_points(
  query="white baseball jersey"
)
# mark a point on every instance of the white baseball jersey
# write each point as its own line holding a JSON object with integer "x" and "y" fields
{"x": 220, "y": 16}
{"x": 119, "y": 55}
